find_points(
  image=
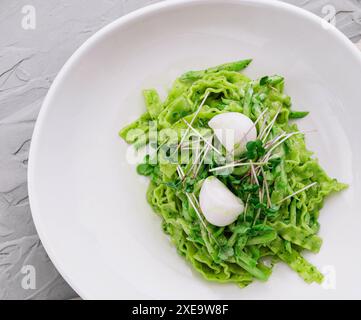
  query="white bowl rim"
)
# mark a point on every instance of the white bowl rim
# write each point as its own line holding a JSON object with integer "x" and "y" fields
{"x": 87, "y": 45}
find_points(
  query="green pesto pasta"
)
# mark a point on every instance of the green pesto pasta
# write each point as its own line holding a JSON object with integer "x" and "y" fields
{"x": 283, "y": 194}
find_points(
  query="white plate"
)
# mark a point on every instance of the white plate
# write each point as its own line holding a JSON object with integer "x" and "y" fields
{"x": 89, "y": 204}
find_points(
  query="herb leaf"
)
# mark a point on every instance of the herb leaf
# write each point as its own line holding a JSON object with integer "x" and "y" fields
{"x": 255, "y": 149}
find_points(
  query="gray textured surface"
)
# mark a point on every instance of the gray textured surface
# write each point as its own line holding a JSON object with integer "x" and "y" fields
{"x": 29, "y": 61}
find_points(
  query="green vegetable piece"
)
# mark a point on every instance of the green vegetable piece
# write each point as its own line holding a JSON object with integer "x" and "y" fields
{"x": 226, "y": 252}
{"x": 263, "y": 81}
{"x": 274, "y": 162}
{"x": 137, "y": 130}
{"x": 255, "y": 149}
{"x": 262, "y": 238}
{"x": 232, "y": 66}
{"x": 152, "y": 102}
{"x": 145, "y": 169}
{"x": 193, "y": 75}
{"x": 189, "y": 184}
{"x": 272, "y": 81}
{"x": 173, "y": 184}
{"x": 298, "y": 236}
{"x": 305, "y": 269}
{"x": 250, "y": 265}
{"x": 298, "y": 114}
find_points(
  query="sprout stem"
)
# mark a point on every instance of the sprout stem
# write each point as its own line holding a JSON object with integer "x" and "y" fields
{"x": 267, "y": 130}
{"x": 254, "y": 173}
{"x": 200, "y": 164}
{"x": 265, "y": 184}
{"x": 233, "y": 165}
{"x": 203, "y": 138}
{"x": 246, "y": 208}
{"x": 266, "y": 157}
{"x": 192, "y": 121}
{"x": 297, "y": 192}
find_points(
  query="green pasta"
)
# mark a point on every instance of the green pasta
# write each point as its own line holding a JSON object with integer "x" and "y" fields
{"x": 282, "y": 196}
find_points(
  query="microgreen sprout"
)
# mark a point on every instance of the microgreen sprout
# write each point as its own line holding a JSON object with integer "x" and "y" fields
{"x": 192, "y": 121}
{"x": 253, "y": 172}
{"x": 255, "y": 149}
{"x": 246, "y": 208}
{"x": 297, "y": 192}
{"x": 235, "y": 164}
{"x": 264, "y": 135}
{"x": 266, "y": 188}
{"x": 202, "y": 160}
{"x": 269, "y": 152}
{"x": 202, "y": 137}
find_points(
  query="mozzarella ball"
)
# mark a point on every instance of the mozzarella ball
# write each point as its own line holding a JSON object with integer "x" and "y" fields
{"x": 233, "y": 130}
{"x": 219, "y": 205}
